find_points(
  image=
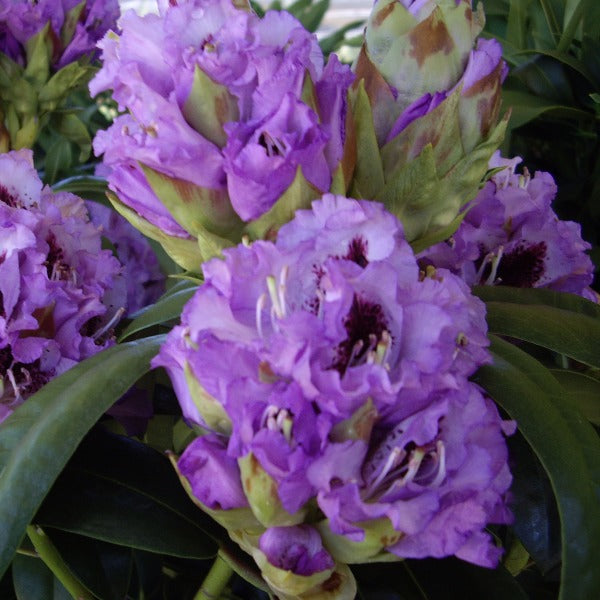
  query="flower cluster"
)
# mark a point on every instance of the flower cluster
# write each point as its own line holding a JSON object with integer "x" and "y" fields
{"x": 60, "y": 293}
{"x": 225, "y": 109}
{"x": 511, "y": 236}
{"x": 74, "y": 27}
{"x": 344, "y": 407}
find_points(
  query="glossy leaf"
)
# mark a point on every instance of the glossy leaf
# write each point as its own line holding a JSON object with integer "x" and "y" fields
{"x": 562, "y": 300}
{"x": 37, "y": 440}
{"x": 583, "y": 392}
{"x": 85, "y": 186}
{"x": 168, "y": 307}
{"x": 568, "y": 448}
{"x": 123, "y": 492}
{"x": 34, "y": 581}
{"x": 562, "y": 331}
{"x": 105, "y": 569}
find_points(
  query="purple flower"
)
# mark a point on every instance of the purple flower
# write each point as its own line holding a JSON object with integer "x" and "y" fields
{"x": 227, "y": 106}
{"x": 213, "y": 475}
{"x": 73, "y": 32}
{"x": 511, "y": 236}
{"x": 298, "y": 549}
{"x": 345, "y": 383}
{"x": 141, "y": 271}
{"x": 60, "y": 294}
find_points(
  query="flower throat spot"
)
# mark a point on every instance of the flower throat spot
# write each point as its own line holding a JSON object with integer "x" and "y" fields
{"x": 366, "y": 326}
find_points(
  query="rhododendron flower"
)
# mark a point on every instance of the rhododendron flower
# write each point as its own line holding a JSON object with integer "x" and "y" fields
{"x": 345, "y": 388}
{"x": 511, "y": 236}
{"x": 226, "y": 111}
{"x": 60, "y": 294}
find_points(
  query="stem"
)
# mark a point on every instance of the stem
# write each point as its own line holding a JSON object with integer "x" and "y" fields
{"x": 215, "y": 581}
{"x": 52, "y": 559}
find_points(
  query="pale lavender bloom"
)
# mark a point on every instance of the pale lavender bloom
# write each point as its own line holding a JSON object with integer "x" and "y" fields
{"x": 249, "y": 146}
{"x": 60, "y": 293}
{"x": 20, "y": 20}
{"x": 511, "y": 236}
{"x": 346, "y": 380}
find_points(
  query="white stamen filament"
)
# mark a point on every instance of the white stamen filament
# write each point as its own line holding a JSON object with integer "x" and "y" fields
{"x": 283, "y": 275}
{"x": 495, "y": 264}
{"x": 13, "y": 382}
{"x": 260, "y": 305}
{"x": 414, "y": 463}
{"x": 274, "y": 294}
{"x": 394, "y": 457}
{"x": 118, "y": 314}
{"x": 441, "y": 459}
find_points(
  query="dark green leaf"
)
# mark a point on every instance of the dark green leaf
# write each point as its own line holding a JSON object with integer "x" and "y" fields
{"x": 34, "y": 581}
{"x": 57, "y": 160}
{"x": 562, "y": 331}
{"x": 40, "y": 436}
{"x": 312, "y": 16}
{"x": 453, "y": 579}
{"x": 562, "y": 300}
{"x": 123, "y": 492}
{"x": 85, "y": 186}
{"x": 583, "y": 393}
{"x": 568, "y": 448}
{"x": 168, "y": 307}
{"x": 104, "y": 569}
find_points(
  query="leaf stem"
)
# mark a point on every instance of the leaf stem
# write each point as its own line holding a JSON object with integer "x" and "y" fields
{"x": 215, "y": 581}
{"x": 48, "y": 553}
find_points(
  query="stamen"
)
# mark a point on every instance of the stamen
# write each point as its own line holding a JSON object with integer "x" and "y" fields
{"x": 273, "y": 293}
{"x": 13, "y": 382}
{"x": 495, "y": 264}
{"x": 383, "y": 348}
{"x": 283, "y": 275}
{"x": 414, "y": 463}
{"x": 115, "y": 318}
{"x": 395, "y": 457}
{"x": 441, "y": 457}
{"x": 260, "y": 305}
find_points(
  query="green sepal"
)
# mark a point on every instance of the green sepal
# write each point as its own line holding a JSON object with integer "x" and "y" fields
{"x": 70, "y": 24}
{"x": 368, "y": 173}
{"x": 298, "y": 195}
{"x": 440, "y": 128}
{"x": 38, "y": 55}
{"x": 211, "y": 411}
{"x": 261, "y": 491}
{"x": 426, "y": 202}
{"x": 356, "y": 427}
{"x": 197, "y": 209}
{"x": 336, "y": 583}
{"x": 209, "y": 106}
{"x": 438, "y": 235}
{"x": 62, "y": 83}
{"x": 184, "y": 251}
{"x": 379, "y": 534}
{"x": 309, "y": 94}
{"x": 234, "y": 519}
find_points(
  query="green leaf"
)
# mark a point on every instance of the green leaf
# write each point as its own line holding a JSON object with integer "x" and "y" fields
{"x": 123, "y": 492}
{"x": 562, "y": 300}
{"x": 58, "y": 160}
{"x": 562, "y": 331}
{"x": 34, "y": 581}
{"x": 39, "y": 437}
{"x": 73, "y": 129}
{"x": 85, "y": 186}
{"x": 526, "y": 107}
{"x": 568, "y": 448}
{"x": 583, "y": 392}
{"x": 104, "y": 569}
{"x": 334, "y": 40}
{"x": 168, "y": 307}
{"x": 62, "y": 83}
{"x": 312, "y": 16}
